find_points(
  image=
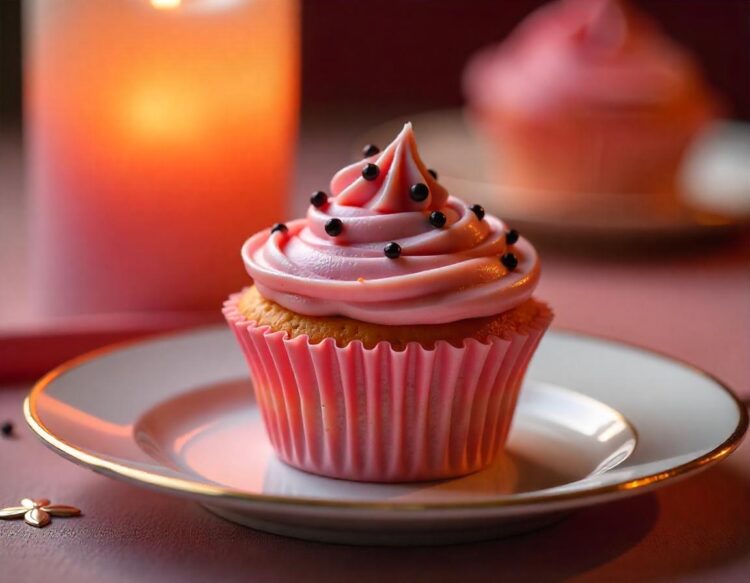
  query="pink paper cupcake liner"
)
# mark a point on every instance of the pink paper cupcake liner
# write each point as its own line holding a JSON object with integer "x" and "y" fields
{"x": 384, "y": 415}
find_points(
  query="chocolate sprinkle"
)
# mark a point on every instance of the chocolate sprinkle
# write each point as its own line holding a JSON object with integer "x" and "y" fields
{"x": 419, "y": 191}
{"x": 437, "y": 219}
{"x": 334, "y": 227}
{"x": 7, "y": 428}
{"x": 370, "y": 172}
{"x": 370, "y": 150}
{"x": 510, "y": 261}
{"x": 318, "y": 199}
{"x": 392, "y": 250}
{"x": 477, "y": 210}
{"x": 280, "y": 228}
{"x": 432, "y": 173}
{"x": 511, "y": 237}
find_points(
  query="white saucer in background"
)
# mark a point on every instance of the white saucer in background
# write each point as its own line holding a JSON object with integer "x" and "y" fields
{"x": 715, "y": 180}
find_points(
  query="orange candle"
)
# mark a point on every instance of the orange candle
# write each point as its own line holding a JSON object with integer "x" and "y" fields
{"x": 160, "y": 133}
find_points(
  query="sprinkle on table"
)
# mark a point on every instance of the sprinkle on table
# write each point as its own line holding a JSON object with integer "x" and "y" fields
{"x": 38, "y": 511}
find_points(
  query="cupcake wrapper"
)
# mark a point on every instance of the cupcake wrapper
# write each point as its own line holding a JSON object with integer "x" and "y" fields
{"x": 383, "y": 415}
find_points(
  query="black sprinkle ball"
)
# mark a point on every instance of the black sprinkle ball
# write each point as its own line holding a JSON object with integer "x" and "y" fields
{"x": 392, "y": 250}
{"x": 510, "y": 261}
{"x": 334, "y": 227}
{"x": 370, "y": 171}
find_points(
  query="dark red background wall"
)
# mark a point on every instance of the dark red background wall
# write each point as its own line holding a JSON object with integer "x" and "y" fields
{"x": 406, "y": 54}
{"x": 381, "y": 52}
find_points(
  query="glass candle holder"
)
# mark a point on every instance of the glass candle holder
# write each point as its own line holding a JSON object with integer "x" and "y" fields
{"x": 160, "y": 135}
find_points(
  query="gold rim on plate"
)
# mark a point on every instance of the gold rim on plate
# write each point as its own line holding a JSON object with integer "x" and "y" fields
{"x": 184, "y": 486}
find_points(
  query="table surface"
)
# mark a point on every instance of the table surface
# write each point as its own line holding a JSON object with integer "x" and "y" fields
{"x": 694, "y": 306}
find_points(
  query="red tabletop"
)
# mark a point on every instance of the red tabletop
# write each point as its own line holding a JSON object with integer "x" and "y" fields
{"x": 694, "y": 306}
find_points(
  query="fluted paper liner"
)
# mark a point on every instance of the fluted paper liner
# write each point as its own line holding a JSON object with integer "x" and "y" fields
{"x": 384, "y": 415}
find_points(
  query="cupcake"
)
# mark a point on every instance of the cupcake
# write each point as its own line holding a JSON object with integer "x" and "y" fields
{"x": 388, "y": 332}
{"x": 587, "y": 97}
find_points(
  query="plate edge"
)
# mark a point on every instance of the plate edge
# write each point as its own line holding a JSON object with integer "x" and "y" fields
{"x": 187, "y": 487}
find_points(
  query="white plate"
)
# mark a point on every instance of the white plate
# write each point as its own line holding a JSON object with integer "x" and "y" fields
{"x": 714, "y": 204}
{"x": 176, "y": 414}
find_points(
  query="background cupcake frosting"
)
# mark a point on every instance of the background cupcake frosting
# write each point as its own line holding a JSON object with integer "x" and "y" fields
{"x": 585, "y": 52}
{"x": 450, "y": 266}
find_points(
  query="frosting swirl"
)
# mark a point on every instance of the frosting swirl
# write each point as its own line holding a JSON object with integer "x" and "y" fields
{"x": 582, "y": 52}
{"x": 444, "y": 274}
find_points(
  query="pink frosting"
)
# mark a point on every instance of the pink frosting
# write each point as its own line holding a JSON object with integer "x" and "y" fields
{"x": 443, "y": 274}
{"x": 581, "y": 52}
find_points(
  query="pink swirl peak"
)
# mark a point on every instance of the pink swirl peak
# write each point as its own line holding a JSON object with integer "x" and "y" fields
{"x": 605, "y": 26}
{"x": 451, "y": 262}
{"x": 400, "y": 167}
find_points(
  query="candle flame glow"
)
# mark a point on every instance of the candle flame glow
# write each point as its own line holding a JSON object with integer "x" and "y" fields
{"x": 165, "y": 4}
{"x": 165, "y": 111}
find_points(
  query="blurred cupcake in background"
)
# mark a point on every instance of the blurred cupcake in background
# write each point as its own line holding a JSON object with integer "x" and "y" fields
{"x": 587, "y": 97}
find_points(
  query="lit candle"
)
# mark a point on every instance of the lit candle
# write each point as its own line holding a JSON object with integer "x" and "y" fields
{"x": 160, "y": 134}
